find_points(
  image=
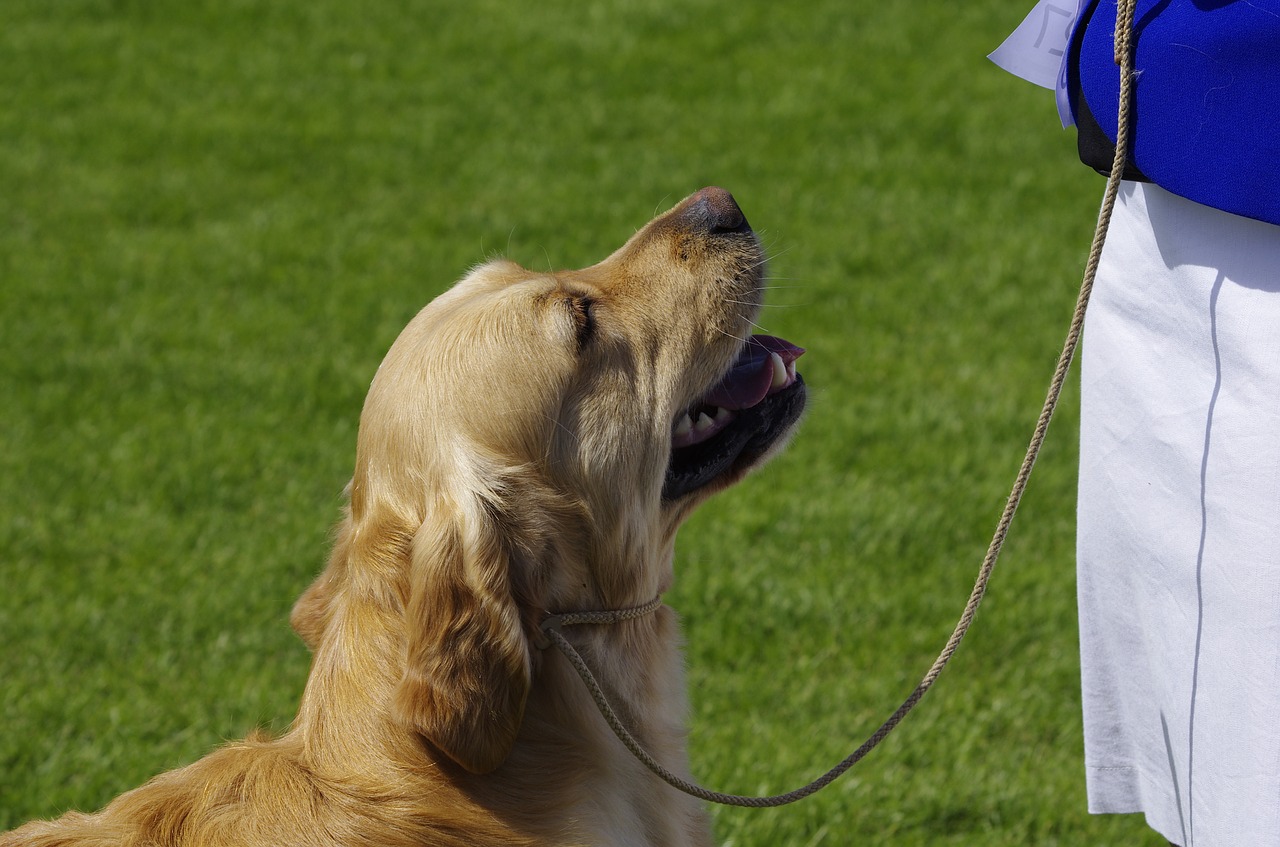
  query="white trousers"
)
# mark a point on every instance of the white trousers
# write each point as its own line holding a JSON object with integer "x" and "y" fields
{"x": 1178, "y": 541}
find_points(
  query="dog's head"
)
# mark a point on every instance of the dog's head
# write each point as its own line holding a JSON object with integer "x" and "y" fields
{"x": 532, "y": 441}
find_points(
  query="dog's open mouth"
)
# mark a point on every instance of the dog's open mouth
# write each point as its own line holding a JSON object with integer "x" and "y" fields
{"x": 735, "y": 423}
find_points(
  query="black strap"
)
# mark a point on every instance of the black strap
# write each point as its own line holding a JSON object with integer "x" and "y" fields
{"x": 1096, "y": 150}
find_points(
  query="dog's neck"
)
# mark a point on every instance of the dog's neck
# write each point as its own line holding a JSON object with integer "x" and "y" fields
{"x": 638, "y": 666}
{"x": 346, "y": 716}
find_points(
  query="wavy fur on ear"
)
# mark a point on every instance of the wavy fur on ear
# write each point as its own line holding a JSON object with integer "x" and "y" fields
{"x": 468, "y": 662}
{"x": 314, "y": 609}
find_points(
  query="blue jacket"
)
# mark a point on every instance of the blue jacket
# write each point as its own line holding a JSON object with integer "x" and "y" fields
{"x": 1207, "y": 125}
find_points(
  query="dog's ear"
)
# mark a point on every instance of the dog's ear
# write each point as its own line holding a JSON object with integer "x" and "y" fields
{"x": 314, "y": 609}
{"x": 312, "y": 612}
{"x": 468, "y": 660}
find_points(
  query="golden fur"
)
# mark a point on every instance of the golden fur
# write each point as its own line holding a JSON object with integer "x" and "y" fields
{"x": 510, "y": 463}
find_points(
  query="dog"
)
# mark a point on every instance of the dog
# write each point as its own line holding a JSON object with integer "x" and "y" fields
{"x": 529, "y": 446}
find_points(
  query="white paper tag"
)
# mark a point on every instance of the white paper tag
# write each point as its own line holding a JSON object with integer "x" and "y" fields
{"x": 1037, "y": 49}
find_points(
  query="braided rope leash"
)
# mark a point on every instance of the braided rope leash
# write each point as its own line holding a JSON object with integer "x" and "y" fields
{"x": 552, "y": 626}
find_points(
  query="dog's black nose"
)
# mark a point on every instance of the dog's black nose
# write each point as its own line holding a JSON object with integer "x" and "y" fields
{"x": 715, "y": 211}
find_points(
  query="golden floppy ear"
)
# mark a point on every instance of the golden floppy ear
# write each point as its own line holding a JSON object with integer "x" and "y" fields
{"x": 467, "y": 669}
{"x": 314, "y": 609}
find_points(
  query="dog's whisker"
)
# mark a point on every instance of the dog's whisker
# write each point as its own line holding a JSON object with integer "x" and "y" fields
{"x": 731, "y": 335}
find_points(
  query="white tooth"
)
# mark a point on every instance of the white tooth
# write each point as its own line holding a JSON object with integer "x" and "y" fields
{"x": 723, "y": 415}
{"x": 704, "y": 423}
{"x": 779, "y": 371}
{"x": 684, "y": 426}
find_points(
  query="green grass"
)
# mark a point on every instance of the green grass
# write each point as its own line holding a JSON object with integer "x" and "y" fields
{"x": 215, "y": 217}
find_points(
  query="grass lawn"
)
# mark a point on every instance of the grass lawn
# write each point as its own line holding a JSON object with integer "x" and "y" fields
{"x": 215, "y": 217}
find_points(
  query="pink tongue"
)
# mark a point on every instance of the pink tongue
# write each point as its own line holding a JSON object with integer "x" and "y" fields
{"x": 748, "y": 381}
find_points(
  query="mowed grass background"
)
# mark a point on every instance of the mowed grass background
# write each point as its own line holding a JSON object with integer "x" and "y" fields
{"x": 216, "y": 216}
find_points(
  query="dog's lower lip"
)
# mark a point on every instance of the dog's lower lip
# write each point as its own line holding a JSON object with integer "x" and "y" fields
{"x": 735, "y": 447}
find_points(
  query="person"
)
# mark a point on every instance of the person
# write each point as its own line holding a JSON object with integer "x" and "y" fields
{"x": 1178, "y": 514}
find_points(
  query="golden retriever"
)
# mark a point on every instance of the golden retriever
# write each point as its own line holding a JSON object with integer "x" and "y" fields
{"x": 529, "y": 446}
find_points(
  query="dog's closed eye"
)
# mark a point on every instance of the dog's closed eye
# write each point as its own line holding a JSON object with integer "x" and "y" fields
{"x": 582, "y": 310}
